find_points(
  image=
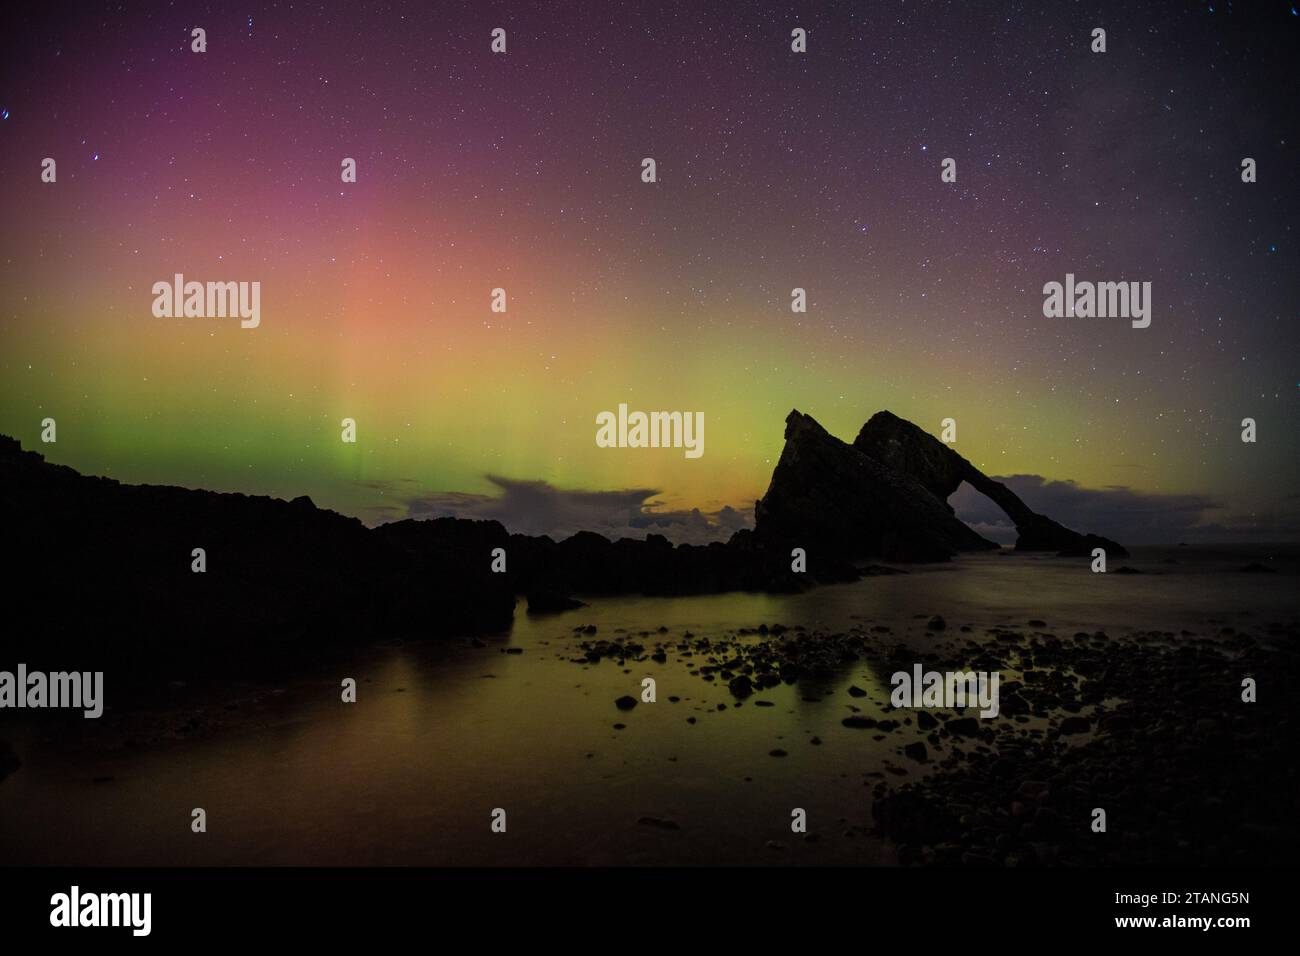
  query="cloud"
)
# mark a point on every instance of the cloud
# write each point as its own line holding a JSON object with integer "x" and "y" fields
{"x": 538, "y": 507}
{"x": 1120, "y": 512}
{"x": 1115, "y": 511}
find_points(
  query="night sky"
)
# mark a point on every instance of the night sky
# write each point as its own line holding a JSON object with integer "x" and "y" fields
{"x": 775, "y": 169}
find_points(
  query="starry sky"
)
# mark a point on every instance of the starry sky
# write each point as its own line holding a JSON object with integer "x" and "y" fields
{"x": 775, "y": 170}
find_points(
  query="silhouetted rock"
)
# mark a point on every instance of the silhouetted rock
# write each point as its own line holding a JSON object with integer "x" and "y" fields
{"x": 286, "y": 578}
{"x": 963, "y": 726}
{"x": 9, "y": 761}
{"x": 1075, "y": 725}
{"x": 588, "y": 563}
{"x": 902, "y": 446}
{"x": 105, "y": 574}
{"x": 831, "y": 499}
{"x": 551, "y": 602}
{"x": 858, "y": 722}
{"x": 740, "y": 686}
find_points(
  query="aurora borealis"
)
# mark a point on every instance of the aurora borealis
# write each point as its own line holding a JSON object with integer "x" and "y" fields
{"x": 776, "y": 170}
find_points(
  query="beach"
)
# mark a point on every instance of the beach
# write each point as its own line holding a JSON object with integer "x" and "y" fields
{"x": 445, "y": 731}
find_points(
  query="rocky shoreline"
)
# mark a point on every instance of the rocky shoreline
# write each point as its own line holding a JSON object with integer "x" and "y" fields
{"x": 192, "y": 582}
{"x": 1150, "y": 727}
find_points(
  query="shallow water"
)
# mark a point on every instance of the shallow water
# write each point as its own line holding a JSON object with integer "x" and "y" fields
{"x": 443, "y": 733}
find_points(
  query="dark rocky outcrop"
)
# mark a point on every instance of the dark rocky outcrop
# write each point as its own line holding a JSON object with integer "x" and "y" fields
{"x": 9, "y": 761}
{"x": 903, "y": 447}
{"x": 549, "y": 602}
{"x": 284, "y": 577}
{"x": 100, "y": 574}
{"x": 829, "y": 497}
{"x": 591, "y": 564}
